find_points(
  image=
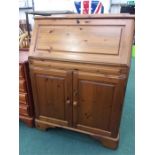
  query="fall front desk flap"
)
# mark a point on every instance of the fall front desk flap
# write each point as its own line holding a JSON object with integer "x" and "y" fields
{"x": 85, "y": 38}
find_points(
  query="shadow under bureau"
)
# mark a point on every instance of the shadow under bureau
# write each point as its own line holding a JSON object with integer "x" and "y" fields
{"x": 79, "y": 67}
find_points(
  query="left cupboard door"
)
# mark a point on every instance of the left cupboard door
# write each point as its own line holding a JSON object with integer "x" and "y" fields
{"x": 52, "y": 92}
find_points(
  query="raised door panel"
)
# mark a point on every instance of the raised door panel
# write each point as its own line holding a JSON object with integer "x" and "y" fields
{"x": 52, "y": 92}
{"x": 83, "y": 39}
{"x": 94, "y": 102}
{"x": 51, "y": 96}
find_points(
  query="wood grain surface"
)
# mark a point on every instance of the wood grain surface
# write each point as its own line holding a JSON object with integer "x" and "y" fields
{"x": 79, "y": 67}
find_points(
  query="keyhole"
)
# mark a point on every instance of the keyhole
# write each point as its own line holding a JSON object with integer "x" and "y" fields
{"x": 78, "y": 21}
{"x": 50, "y": 31}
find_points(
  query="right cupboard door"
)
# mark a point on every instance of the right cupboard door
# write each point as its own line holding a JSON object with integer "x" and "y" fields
{"x": 97, "y": 102}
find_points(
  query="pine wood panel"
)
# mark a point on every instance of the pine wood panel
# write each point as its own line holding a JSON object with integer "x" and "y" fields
{"x": 51, "y": 91}
{"x": 83, "y": 39}
{"x": 95, "y": 99}
{"x": 87, "y": 67}
{"x": 51, "y": 96}
{"x": 87, "y": 39}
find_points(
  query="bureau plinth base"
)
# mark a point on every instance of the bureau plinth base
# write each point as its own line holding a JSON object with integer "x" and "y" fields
{"x": 43, "y": 126}
{"x": 110, "y": 142}
{"x": 29, "y": 121}
{"x": 106, "y": 141}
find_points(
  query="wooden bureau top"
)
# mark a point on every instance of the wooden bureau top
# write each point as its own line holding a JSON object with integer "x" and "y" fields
{"x": 102, "y": 39}
{"x": 85, "y": 16}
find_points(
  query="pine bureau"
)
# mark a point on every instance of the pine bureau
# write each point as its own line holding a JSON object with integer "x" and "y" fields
{"x": 79, "y": 66}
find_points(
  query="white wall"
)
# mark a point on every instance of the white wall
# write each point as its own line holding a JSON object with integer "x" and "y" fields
{"x": 25, "y": 3}
{"x": 58, "y": 5}
{"x": 53, "y": 5}
{"x": 23, "y": 16}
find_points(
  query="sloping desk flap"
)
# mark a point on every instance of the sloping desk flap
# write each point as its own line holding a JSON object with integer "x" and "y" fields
{"x": 96, "y": 40}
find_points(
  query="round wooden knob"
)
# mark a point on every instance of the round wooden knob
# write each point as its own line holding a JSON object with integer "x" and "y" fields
{"x": 68, "y": 102}
{"x": 75, "y": 103}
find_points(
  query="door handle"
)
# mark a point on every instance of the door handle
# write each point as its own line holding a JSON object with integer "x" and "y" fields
{"x": 75, "y": 103}
{"x": 68, "y": 102}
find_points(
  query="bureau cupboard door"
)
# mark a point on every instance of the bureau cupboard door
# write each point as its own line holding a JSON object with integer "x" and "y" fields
{"x": 97, "y": 101}
{"x": 52, "y": 95}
